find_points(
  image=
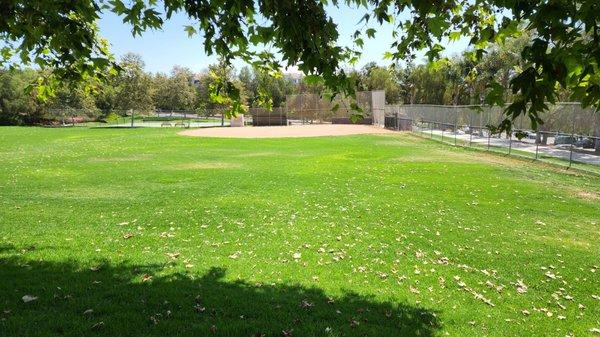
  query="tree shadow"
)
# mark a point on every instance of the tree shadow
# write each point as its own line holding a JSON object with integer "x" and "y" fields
{"x": 123, "y": 300}
{"x": 6, "y": 247}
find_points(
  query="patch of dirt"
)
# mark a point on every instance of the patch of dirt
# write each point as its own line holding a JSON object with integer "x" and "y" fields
{"x": 204, "y": 166}
{"x": 437, "y": 157}
{"x": 91, "y": 193}
{"x": 287, "y": 131}
{"x": 258, "y": 154}
{"x": 588, "y": 195}
{"x": 135, "y": 157}
{"x": 397, "y": 141}
{"x": 582, "y": 244}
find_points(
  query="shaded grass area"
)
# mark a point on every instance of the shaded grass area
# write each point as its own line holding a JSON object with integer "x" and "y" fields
{"x": 109, "y": 301}
{"x": 159, "y": 234}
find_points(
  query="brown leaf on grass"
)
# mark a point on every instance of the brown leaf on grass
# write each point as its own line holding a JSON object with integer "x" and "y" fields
{"x": 442, "y": 260}
{"x": 199, "y": 308}
{"x": 521, "y": 287}
{"x": 98, "y": 326}
{"x": 146, "y": 277}
{"x": 128, "y": 236}
{"x": 29, "y": 298}
{"x": 305, "y": 304}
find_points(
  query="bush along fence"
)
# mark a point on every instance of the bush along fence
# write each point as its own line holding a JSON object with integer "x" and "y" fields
{"x": 570, "y": 136}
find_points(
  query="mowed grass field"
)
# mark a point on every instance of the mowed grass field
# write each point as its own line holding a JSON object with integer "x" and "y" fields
{"x": 142, "y": 232}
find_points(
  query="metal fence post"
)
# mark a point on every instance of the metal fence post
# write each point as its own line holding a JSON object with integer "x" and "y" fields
{"x": 537, "y": 147}
{"x": 397, "y": 120}
{"x": 489, "y": 136}
{"x": 510, "y": 142}
{"x": 571, "y": 155}
{"x": 431, "y": 129}
{"x": 572, "y": 139}
{"x": 455, "y": 123}
{"x": 470, "y": 129}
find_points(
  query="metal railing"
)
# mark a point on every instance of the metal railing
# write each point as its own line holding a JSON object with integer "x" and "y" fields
{"x": 569, "y": 137}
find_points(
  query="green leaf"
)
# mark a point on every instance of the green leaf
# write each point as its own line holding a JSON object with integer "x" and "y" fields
{"x": 335, "y": 108}
{"x": 313, "y": 79}
{"x": 190, "y": 30}
{"x": 359, "y": 42}
{"x": 454, "y": 36}
{"x": 371, "y": 33}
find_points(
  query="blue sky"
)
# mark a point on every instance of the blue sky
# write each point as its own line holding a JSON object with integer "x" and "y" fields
{"x": 161, "y": 50}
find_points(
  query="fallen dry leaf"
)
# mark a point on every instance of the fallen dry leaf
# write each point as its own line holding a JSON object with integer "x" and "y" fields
{"x": 29, "y": 298}
{"x": 98, "y": 326}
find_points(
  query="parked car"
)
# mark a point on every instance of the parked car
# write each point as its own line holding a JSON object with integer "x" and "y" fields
{"x": 531, "y": 135}
{"x": 564, "y": 139}
{"x": 586, "y": 143}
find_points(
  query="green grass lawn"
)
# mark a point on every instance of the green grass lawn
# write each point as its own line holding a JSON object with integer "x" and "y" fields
{"x": 143, "y": 232}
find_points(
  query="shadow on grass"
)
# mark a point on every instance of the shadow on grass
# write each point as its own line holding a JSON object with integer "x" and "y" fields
{"x": 114, "y": 301}
{"x": 6, "y": 247}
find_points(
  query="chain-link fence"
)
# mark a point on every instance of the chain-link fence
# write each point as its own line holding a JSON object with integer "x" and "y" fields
{"x": 298, "y": 109}
{"x": 135, "y": 118}
{"x": 319, "y": 109}
{"x": 569, "y": 135}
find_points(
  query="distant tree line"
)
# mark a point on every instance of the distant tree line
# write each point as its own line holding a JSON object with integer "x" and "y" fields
{"x": 132, "y": 88}
{"x": 454, "y": 81}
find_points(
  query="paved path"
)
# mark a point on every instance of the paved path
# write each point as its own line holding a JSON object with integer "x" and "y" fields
{"x": 548, "y": 150}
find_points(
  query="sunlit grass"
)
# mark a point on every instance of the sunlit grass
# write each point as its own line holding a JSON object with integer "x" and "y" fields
{"x": 144, "y": 232}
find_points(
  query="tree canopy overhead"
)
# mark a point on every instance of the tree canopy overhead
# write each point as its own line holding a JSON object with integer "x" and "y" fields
{"x": 563, "y": 51}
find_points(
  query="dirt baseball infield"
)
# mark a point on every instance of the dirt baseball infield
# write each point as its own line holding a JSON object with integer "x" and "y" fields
{"x": 285, "y": 131}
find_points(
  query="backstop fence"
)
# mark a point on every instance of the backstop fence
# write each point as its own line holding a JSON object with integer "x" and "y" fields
{"x": 319, "y": 109}
{"x": 570, "y": 134}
